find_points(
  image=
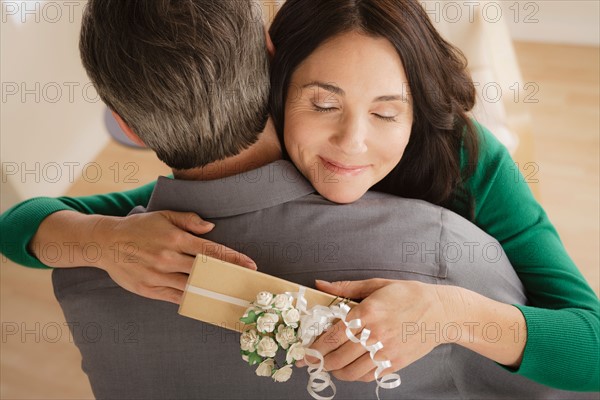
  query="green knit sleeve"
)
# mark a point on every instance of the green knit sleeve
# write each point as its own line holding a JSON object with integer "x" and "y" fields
{"x": 19, "y": 224}
{"x": 563, "y": 314}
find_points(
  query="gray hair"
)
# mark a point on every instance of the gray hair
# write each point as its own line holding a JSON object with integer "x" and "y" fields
{"x": 189, "y": 77}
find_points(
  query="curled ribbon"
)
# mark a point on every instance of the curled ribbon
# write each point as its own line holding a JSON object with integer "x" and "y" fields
{"x": 313, "y": 323}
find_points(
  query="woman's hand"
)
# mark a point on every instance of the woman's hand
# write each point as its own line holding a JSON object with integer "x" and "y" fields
{"x": 390, "y": 310}
{"x": 149, "y": 254}
{"x": 412, "y": 318}
{"x": 156, "y": 252}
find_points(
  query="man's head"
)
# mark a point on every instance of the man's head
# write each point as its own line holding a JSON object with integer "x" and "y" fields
{"x": 189, "y": 77}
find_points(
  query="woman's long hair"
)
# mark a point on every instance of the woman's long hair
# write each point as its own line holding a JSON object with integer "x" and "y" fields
{"x": 441, "y": 89}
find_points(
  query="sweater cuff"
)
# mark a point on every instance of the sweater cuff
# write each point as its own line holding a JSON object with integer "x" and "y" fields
{"x": 555, "y": 354}
{"x": 19, "y": 225}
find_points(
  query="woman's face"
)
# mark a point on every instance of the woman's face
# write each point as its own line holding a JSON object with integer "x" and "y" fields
{"x": 347, "y": 116}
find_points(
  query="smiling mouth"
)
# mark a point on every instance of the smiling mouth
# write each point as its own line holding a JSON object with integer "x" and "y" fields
{"x": 342, "y": 169}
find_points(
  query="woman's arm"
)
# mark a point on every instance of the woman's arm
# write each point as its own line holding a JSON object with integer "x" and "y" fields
{"x": 20, "y": 223}
{"x": 149, "y": 254}
{"x": 563, "y": 317}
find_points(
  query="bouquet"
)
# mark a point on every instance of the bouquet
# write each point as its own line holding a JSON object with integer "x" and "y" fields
{"x": 274, "y": 324}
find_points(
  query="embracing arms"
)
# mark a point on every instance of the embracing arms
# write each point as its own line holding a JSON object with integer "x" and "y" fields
{"x": 557, "y": 345}
{"x": 148, "y": 254}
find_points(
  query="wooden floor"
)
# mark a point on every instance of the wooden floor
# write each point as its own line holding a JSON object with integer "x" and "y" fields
{"x": 39, "y": 361}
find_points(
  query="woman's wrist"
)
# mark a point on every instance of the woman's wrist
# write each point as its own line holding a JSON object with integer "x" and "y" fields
{"x": 495, "y": 330}
{"x": 70, "y": 239}
{"x": 101, "y": 229}
{"x": 453, "y": 313}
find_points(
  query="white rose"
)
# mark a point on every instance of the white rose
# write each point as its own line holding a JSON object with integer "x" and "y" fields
{"x": 282, "y": 301}
{"x": 249, "y": 340}
{"x": 285, "y": 335}
{"x": 291, "y": 317}
{"x": 283, "y": 373}
{"x": 267, "y": 347}
{"x": 265, "y": 368}
{"x": 245, "y": 358}
{"x": 264, "y": 299}
{"x": 296, "y": 352}
{"x": 267, "y": 322}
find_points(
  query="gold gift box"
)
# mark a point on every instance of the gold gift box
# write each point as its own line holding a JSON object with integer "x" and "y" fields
{"x": 219, "y": 292}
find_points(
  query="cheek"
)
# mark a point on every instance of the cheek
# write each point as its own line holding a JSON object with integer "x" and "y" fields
{"x": 295, "y": 138}
{"x": 390, "y": 151}
{"x": 292, "y": 130}
{"x": 301, "y": 134}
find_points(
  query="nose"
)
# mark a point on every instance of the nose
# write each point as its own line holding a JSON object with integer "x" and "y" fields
{"x": 351, "y": 136}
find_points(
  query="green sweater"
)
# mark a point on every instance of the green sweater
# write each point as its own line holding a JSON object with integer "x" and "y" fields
{"x": 563, "y": 317}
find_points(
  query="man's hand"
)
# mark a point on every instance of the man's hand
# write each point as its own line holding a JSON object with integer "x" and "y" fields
{"x": 149, "y": 254}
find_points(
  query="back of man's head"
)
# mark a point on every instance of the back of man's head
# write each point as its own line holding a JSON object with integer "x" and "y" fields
{"x": 189, "y": 77}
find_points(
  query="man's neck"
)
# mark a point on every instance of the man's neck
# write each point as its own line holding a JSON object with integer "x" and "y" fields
{"x": 267, "y": 149}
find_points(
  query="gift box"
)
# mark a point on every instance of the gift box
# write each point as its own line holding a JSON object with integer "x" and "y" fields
{"x": 219, "y": 292}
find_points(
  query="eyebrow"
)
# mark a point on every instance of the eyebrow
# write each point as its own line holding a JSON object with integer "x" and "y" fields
{"x": 325, "y": 86}
{"x": 389, "y": 98}
{"x": 340, "y": 92}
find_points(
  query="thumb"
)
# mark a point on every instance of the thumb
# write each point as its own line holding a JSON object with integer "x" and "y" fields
{"x": 352, "y": 289}
{"x": 189, "y": 221}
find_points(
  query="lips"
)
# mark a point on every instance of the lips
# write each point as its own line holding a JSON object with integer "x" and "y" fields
{"x": 343, "y": 169}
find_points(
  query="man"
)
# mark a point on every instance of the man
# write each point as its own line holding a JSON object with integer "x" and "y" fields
{"x": 173, "y": 72}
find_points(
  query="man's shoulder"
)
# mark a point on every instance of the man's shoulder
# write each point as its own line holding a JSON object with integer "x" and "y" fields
{"x": 405, "y": 211}
{"x": 376, "y": 202}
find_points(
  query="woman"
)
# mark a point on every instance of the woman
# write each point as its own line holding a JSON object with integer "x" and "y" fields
{"x": 392, "y": 117}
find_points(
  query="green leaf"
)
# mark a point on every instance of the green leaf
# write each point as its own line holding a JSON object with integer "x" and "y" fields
{"x": 250, "y": 318}
{"x": 254, "y": 358}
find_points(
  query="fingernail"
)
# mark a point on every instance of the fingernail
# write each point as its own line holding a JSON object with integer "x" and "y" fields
{"x": 207, "y": 224}
{"x": 250, "y": 263}
{"x": 320, "y": 282}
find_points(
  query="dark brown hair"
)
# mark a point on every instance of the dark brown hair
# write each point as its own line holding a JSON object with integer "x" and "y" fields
{"x": 441, "y": 89}
{"x": 189, "y": 77}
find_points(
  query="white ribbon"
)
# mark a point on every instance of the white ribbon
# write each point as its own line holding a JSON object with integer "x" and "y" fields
{"x": 217, "y": 296}
{"x": 321, "y": 316}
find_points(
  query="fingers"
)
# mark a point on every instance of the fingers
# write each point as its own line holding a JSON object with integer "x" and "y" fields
{"x": 160, "y": 286}
{"x": 370, "y": 376}
{"x": 330, "y": 340}
{"x": 346, "y": 354}
{"x": 352, "y": 289}
{"x": 188, "y": 221}
{"x": 163, "y": 294}
{"x": 194, "y": 245}
{"x": 174, "y": 281}
{"x": 361, "y": 368}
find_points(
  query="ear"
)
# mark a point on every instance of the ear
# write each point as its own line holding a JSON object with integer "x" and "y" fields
{"x": 127, "y": 130}
{"x": 270, "y": 45}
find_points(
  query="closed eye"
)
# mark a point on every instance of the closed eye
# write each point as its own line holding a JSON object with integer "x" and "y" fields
{"x": 384, "y": 118}
{"x": 323, "y": 109}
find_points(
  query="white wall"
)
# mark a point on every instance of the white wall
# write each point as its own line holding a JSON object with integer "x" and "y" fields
{"x": 554, "y": 21}
{"x": 551, "y": 21}
{"x": 51, "y": 119}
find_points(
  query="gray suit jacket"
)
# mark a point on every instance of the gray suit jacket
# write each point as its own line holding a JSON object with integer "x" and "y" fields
{"x": 133, "y": 347}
